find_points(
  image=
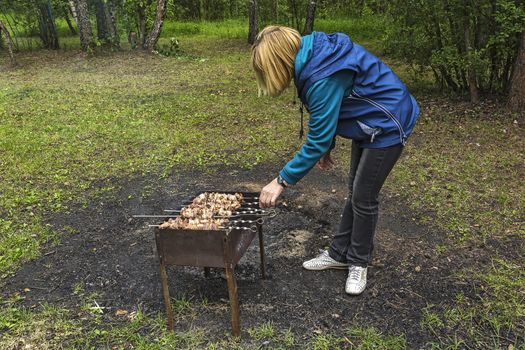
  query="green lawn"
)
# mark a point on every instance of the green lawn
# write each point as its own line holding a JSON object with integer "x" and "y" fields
{"x": 68, "y": 122}
{"x": 73, "y": 128}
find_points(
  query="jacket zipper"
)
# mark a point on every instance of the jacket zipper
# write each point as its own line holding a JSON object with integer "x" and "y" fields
{"x": 402, "y": 134}
{"x": 373, "y": 136}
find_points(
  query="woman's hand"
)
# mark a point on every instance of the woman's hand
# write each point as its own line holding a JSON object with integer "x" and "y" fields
{"x": 326, "y": 162}
{"x": 269, "y": 194}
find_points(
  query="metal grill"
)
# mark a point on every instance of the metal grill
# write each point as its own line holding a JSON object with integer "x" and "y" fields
{"x": 221, "y": 248}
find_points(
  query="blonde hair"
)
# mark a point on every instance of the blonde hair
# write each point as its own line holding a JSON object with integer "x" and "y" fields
{"x": 273, "y": 58}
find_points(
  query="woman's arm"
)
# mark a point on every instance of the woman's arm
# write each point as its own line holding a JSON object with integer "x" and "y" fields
{"x": 324, "y": 100}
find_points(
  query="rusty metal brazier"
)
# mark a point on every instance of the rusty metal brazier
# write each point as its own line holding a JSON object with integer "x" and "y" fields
{"x": 222, "y": 248}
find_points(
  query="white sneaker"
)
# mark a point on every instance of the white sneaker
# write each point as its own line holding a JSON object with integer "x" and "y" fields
{"x": 322, "y": 262}
{"x": 356, "y": 281}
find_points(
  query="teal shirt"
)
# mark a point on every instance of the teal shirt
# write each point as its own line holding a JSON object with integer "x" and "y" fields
{"x": 324, "y": 100}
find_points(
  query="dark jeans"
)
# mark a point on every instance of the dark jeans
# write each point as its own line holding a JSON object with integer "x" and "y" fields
{"x": 369, "y": 169}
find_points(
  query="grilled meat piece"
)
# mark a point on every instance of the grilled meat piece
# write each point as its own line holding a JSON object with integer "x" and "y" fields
{"x": 201, "y": 213}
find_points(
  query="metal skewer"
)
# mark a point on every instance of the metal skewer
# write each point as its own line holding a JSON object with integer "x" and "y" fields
{"x": 249, "y": 204}
{"x": 242, "y": 201}
{"x": 261, "y": 212}
{"x": 258, "y": 211}
{"x": 245, "y": 204}
{"x": 258, "y": 221}
{"x": 251, "y": 228}
{"x": 237, "y": 211}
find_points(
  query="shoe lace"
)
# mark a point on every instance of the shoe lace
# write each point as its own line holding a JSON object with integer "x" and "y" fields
{"x": 322, "y": 253}
{"x": 354, "y": 273}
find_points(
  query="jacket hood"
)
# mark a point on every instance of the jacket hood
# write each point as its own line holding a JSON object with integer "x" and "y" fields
{"x": 317, "y": 57}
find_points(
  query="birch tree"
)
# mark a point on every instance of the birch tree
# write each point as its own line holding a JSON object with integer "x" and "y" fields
{"x": 154, "y": 34}
{"x": 84, "y": 25}
{"x": 4, "y": 31}
{"x": 517, "y": 90}
{"x": 253, "y": 22}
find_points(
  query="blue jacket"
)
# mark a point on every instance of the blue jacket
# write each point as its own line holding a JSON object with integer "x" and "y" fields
{"x": 353, "y": 95}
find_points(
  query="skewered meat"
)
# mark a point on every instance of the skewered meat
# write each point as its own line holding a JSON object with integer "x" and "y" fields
{"x": 202, "y": 212}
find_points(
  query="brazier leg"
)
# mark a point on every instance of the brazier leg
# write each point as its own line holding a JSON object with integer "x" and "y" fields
{"x": 166, "y": 295}
{"x": 234, "y": 301}
{"x": 261, "y": 251}
{"x": 207, "y": 272}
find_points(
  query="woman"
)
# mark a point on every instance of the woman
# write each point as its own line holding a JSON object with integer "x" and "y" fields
{"x": 350, "y": 93}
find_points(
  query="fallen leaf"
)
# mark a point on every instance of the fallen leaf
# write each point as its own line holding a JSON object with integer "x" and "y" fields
{"x": 121, "y": 312}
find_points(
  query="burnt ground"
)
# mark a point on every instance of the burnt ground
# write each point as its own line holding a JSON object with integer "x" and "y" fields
{"x": 107, "y": 252}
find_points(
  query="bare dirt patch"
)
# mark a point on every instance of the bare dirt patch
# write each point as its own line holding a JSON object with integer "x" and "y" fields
{"x": 107, "y": 252}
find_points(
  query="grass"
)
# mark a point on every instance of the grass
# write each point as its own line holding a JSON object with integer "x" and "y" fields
{"x": 73, "y": 129}
{"x": 366, "y": 28}
{"x": 369, "y": 29}
{"x": 66, "y": 127}
{"x": 56, "y": 328}
{"x": 463, "y": 172}
{"x": 498, "y": 319}
{"x": 466, "y": 170}
{"x": 263, "y": 331}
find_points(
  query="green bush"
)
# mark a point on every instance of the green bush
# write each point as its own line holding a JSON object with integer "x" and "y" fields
{"x": 433, "y": 34}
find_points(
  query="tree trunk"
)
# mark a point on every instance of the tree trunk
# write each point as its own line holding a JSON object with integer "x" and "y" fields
{"x": 52, "y": 27}
{"x": 132, "y": 39}
{"x": 310, "y": 17}
{"x": 153, "y": 37}
{"x": 42, "y": 27}
{"x": 102, "y": 29}
{"x": 254, "y": 22}
{"x": 4, "y": 30}
{"x": 112, "y": 23}
{"x": 48, "y": 32}
{"x": 68, "y": 21}
{"x": 141, "y": 11}
{"x": 471, "y": 70}
{"x": 106, "y": 28}
{"x": 517, "y": 87}
{"x": 295, "y": 17}
{"x": 84, "y": 25}
{"x": 506, "y": 73}
{"x": 200, "y": 10}
{"x": 441, "y": 70}
{"x": 455, "y": 33}
{"x": 142, "y": 26}
{"x": 492, "y": 50}
{"x": 73, "y": 9}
